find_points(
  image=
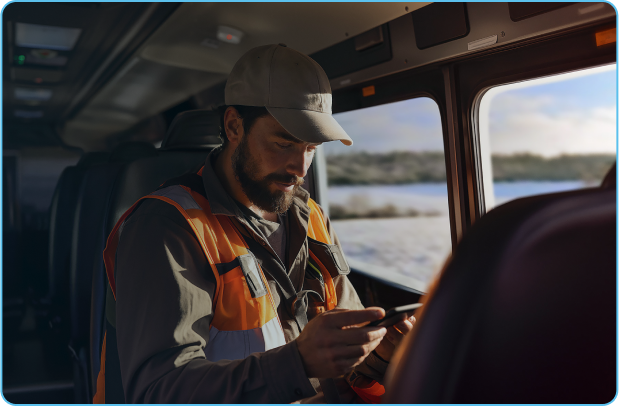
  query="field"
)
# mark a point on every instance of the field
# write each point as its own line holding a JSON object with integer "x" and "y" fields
{"x": 407, "y": 251}
{"x": 404, "y": 167}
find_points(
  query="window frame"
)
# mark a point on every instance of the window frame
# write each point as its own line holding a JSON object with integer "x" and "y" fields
{"x": 320, "y": 188}
{"x": 428, "y": 82}
{"x": 547, "y": 58}
{"x": 483, "y": 140}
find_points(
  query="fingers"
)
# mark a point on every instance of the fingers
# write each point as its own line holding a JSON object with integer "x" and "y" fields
{"x": 361, "y": 335}
{"x": 355, "y": 351}
{"x": 396, "y": 332}
{"x": 351, "y": 317}
{"x": 346, "y": 357}
{"x": 404, "y": 326}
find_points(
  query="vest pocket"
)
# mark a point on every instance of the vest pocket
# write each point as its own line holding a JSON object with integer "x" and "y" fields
{"x": 249, "y": 266}
{"x": 316, "y": 304}
{"x": 331, "y": 257}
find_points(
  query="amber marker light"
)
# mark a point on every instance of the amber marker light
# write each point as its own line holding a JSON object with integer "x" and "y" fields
{"x": 606, "y": 37}
{"x": 368, "y": 91}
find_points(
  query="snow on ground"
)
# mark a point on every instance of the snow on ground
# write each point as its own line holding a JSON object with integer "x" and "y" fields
{"x": 406, "y": 250}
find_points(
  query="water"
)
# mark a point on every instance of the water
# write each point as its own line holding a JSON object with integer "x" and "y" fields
{"x": 420, "y": 196}
{"x": 411, "y": 250}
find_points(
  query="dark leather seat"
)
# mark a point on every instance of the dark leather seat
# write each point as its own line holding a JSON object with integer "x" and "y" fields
{"x": 87, "y": 244}
{"x": 525, "y": 312}
{"x": 192, "y": 129}
{"x": 191, "y": 136}
{"x": 61, "y": 218}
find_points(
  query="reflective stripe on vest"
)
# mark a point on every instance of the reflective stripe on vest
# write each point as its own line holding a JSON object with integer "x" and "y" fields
{"x": 245, "y": 319}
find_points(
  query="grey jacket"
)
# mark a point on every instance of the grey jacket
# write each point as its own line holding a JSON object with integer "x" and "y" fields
{"x": 164, "y": 291}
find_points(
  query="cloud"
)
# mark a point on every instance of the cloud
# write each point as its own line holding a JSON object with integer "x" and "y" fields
{"x": 410, "y": 125}
{"x": 560, "y": 117}
{"x": 543, "y": 125}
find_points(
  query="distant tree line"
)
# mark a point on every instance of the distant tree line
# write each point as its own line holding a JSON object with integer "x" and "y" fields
{"x": 400, "y": 167}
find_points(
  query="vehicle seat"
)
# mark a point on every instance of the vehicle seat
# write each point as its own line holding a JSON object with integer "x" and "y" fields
{"x": 190, "y": 138}
{"x": 193, "y": 129}
{"x": 525, "y": 312}
{"x": 61, "y": 218}
{"x": 87, "y": 244}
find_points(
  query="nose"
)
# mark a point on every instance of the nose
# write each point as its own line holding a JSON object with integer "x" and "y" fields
{"x": 299, "y": 163}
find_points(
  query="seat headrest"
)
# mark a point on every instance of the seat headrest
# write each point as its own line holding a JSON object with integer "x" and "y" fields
{"x": 193, "y": 129}
{"x": 610, "y": 179}
{"x": 131, "y": 151}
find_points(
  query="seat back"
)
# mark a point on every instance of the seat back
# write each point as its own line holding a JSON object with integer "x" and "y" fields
{"x": 61, "y": 219}
{"x": 525, "y": 312}
{"x": 87, "y": 246}
{"x": 183, "y": 149}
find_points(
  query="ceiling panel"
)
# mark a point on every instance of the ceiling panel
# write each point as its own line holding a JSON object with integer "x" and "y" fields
{"x": 64, "y": 48}
{"x": 306, "y": 27}
{"x": 138, "y": 91}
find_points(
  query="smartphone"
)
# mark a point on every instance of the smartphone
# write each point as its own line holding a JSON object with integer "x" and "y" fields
{"x": 395, "y": 315}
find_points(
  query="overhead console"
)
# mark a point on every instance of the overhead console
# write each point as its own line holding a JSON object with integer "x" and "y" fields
{"x": 438, "y": 23}
{"x": 521, "y": 11}
{"x": 367, "y": 49}
{"x": 442, "y": 31}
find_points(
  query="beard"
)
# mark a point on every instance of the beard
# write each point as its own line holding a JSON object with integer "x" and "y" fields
{"x": 257, "y": 190}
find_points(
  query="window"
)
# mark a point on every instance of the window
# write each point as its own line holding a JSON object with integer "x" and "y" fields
{"x": 548, "y": 135}
{"x": 388, "y": 194}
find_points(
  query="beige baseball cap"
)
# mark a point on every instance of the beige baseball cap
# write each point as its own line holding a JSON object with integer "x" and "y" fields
{"x": 292, "y": 87}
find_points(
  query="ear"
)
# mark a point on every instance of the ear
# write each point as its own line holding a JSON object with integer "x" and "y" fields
{"x": 233, "y": 124}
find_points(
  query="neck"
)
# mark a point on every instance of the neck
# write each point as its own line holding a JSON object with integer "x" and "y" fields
{"x": 225, "y": 172}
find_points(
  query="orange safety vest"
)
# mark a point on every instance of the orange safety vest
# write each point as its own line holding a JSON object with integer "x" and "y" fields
{"x": 243, "y": 300}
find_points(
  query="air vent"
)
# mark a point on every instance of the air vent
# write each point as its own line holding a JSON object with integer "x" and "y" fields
{"x": 360, "y": 52}
{"x": 369, "y": 39}
{"x": 45, "y": 57}
{"x": 29, "y": 114}
{"x": 31, "y": 94}
{"x": 36, "y": 75}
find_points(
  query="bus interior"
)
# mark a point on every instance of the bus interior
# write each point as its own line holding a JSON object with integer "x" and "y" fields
{"x": 481, "y": 180}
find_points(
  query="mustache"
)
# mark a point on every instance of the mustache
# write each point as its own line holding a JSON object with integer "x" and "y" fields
{"x": 284, "y": 178}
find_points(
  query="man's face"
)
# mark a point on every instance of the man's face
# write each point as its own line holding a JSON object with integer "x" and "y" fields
{"x": 270, "y": 164}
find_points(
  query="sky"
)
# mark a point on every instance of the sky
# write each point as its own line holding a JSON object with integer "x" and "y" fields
{"x": 564, "y": 114}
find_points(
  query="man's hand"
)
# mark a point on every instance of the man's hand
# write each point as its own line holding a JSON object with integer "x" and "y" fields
{"x": 394, "y": 336}
{"x": 332, "y": 344}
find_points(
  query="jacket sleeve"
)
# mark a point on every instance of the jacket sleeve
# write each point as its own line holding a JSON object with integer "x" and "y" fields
{"x": 164, "y": 307}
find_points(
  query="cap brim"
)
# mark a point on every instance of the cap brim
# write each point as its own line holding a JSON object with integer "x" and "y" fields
{"x": 310, "y": 126}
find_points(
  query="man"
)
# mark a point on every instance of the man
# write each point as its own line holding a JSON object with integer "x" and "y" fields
{"x": 230, "y": 285}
